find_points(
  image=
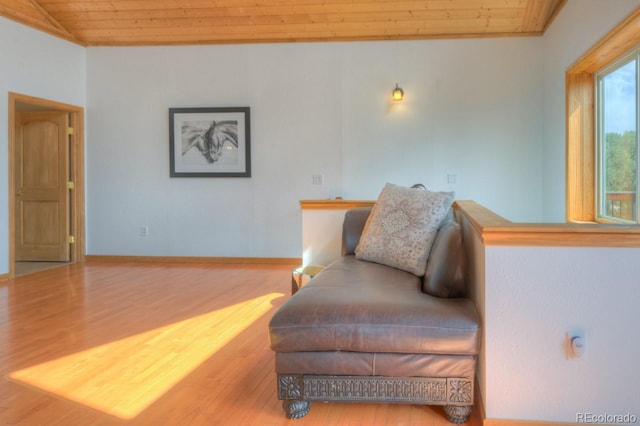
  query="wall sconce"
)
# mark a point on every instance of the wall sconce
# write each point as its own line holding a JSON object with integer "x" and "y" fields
{"x": 398, "y": 93}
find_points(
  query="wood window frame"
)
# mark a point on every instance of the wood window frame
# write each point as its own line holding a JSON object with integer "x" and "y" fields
{"x": 580, "y": 116}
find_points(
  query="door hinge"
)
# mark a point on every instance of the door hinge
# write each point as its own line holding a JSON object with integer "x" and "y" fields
{"x": 70, "y": 185}
{"x": 71, "y": 239}
{"x": 69, "y": 130}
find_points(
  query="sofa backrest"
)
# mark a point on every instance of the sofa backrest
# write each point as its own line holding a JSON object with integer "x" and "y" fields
{"x": 446, "y": 266}
{"x": 352, "y": 227}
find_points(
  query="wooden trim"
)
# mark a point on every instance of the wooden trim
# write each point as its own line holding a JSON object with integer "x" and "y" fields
{"x": 77, "y": 250}
{"x": 497, "y": 231}
{"x": 619, "y": 40}
{"x": 230, "y": 40}
{"x": 554, "y": 14}
{"x": 336, "y": 204}
{"x": 197, "y": 259}
{"x": 56, "y": 28}
{"x": 4, "y": 277}
{"x": 44, "y": 103}
{"x": 479, "y": 216}
{"x": 580, "y": 149}
{"x": 540, "y": 13}
{"x": 563, "y": 235}
{"x": 11, "y": 192}
{"x": 47, "y": 23}
{"x": 580, "y": 116}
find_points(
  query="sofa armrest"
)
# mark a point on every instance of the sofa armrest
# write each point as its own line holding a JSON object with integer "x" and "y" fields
{"x": 446, "y": 268}
{"x": 354, "y": 221}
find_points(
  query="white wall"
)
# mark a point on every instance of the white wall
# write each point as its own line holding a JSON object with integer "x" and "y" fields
{"x": 321, "y": 235}
{"x": 473, "y": 109}
{"x": 35, "y": 64}
{"x": 293, "y": 92}
{"x": 580, "y": 24}
{"x": 533, "y": 295}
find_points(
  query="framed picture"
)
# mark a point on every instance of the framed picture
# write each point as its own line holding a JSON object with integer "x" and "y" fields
{"x": 210, "y": 142}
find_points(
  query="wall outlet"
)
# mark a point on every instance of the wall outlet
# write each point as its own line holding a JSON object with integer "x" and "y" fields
{"x": 452, "y": 179}
{"x": 317, "y": 179}
{"x": 575, "y": 344}
{"x": 144, "y": 231}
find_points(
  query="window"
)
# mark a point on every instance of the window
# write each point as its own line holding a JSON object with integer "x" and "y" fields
{"x": 617, "y": 141}
{"x": 583, "y": 201}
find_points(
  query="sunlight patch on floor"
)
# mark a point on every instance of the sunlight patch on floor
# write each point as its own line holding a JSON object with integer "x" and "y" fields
{"x": 124, "y": 377}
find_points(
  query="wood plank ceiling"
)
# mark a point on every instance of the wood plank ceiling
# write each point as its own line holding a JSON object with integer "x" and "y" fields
{"x": 170, "y": 22}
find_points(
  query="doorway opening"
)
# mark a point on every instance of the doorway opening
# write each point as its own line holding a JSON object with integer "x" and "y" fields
{"x": 46, "y": 184}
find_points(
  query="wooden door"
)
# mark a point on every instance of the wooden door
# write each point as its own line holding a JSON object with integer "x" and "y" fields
{"x": 42, "y": 197}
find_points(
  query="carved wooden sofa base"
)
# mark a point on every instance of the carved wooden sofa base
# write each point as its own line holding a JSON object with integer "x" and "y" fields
{"x": 297, "y": 392}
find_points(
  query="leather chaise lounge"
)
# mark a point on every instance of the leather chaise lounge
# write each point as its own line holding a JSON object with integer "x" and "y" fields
{"x": 361, "y": 331}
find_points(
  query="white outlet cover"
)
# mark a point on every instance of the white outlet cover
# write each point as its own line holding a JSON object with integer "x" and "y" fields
{"x": 575, "y": 344}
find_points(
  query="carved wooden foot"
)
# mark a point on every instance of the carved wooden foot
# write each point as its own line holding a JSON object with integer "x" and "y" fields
{"x": 457, "y": 413}
{"x": 296, "y": 409}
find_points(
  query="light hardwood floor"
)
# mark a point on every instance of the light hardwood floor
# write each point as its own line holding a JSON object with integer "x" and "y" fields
{"x": 26, "y": 268}
{"x": 149, "y": 344}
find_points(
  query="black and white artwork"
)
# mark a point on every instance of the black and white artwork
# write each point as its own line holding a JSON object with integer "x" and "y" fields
{"x": 210, "y": 142}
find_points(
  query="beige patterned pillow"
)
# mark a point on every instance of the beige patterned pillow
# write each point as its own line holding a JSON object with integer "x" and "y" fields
{"x": 402, "y": 226}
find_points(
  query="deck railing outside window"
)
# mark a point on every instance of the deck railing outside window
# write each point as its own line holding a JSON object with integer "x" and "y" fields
{"x": 622, "y": 205}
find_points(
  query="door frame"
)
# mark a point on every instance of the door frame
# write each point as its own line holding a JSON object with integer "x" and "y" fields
{"x": 76, "y": 163}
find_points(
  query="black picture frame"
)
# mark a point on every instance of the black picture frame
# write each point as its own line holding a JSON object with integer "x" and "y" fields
{"x": 210, "y": 142}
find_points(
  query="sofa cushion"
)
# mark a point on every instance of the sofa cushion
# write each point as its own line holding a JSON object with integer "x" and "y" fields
{"x": 445, "y": 274}
{"x": 402, "y": 226}
{"x": 360, "y": 306}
